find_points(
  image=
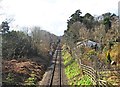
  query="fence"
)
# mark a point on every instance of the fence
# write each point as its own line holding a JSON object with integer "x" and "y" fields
{"x": 90, "y": 72}
{"x": 93, "y": 73}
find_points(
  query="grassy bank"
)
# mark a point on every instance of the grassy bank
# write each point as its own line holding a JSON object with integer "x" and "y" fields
{"x": 73, "y": 71}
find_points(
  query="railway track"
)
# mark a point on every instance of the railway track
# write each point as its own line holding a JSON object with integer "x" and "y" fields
{"x": 55, "y": 73}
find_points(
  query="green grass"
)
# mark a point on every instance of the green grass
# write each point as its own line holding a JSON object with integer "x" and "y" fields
{"x": 85, "y": 80}
{"x": 73, "y": 72}
{"x": 31, "y": 80}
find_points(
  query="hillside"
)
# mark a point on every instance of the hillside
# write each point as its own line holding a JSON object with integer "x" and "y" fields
{"x": 26, "y": 56}
{"x": 95, "y": 41}
{"x": 87, "y": 54}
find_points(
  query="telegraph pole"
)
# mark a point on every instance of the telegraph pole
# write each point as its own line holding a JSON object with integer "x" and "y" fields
{"x": 0, "y": 56}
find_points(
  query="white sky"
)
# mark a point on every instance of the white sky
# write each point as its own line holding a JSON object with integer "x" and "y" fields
{"x": 52, "y": 15}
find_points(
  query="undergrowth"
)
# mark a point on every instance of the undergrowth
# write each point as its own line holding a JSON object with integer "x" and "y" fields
{"x": 73, "y": 71}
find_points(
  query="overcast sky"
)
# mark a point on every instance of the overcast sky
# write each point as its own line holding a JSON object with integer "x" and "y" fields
{"x": 52, "y": 15}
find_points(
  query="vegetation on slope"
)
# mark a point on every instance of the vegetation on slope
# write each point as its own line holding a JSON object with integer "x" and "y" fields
{"x": 103, "y": 30}
{"x": 73, "y": 71}
{"x": 25, "y": 56}
{"x": 18, "y": 72}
